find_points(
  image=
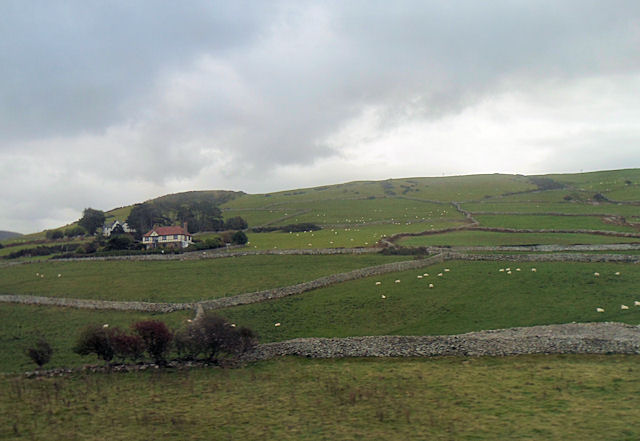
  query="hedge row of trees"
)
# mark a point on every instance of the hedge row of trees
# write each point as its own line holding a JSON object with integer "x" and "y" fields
{"x": 209, "y": 337}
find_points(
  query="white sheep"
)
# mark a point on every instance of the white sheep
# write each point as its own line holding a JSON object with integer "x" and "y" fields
{"x": 277, "y": 324}
{"x": 383, "y": 296}
{"x": 431, "y": 285}
{"x": 106, "y": 325}
{"x": 378, "y": 283}
{"x": 624, "y": 307}
{"x": 599, "y": 309}
{"x": 426, "y": 274}
{"x": 397, "y": 281}
{"x": 636, "y": 303}
{"x": 59, "y": 275}
{"x": 517, "y": 269}
{"x": 509, "y": 272}
{"x": 617, "y": 273}
{"x": 440, "y": 274}
{"x": 419, "y": 277}
{"x": 446, "y": 270}
{"x": 533, "y": 270}
{"x": 501, "y": 270}
{"x": 596, "y": 274}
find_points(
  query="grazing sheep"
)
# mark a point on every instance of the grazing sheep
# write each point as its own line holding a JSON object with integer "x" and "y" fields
{"x": 617, "y": 273}
{"x": 517, "y": 269}
{"x": 419, "y": 277}
{"x": 508, "y": 269}
{"x": 446, "y": 270}
{"x": 383, "y": 296}
{"x": 37, "y": 274}
{"x": 42, "y": 276}
{"x": 599, "y": 309}
{"x": 426, "y": 274}
{"x": 440, "y": 274}
{"x": 509, "y": 272}
{"x": 501, "y": 270}
{"x": 378, "y": 283}
{"x": 398, "y": 281}
{"x": 624, "y": 307}
{"x": 277, "y": 324}
{"x": 636, "y": 303}
{"x": 431, "y": 285}
{"x": 533, "y": 270}
{"x": 106, "y": 325}
{"x": 59, "y": 275}
{"x": 233, "y": 325}
{"x": 596, "y": 274}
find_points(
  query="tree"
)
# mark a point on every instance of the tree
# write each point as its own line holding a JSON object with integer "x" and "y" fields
{"x": 211, "y": 335}
{"x": 239, "y": 238}
{"x": 144, "y": 216}
{"x": 119, "y": 242}
{"x": 41, "y": 352}
{"x": 95, "y": 339}
{"x": 236, "y": 223}
{"x": 156, "y": 337}
{"x": 91, "y": 220}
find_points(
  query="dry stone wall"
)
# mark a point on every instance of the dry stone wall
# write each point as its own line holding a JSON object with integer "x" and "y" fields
{"x": 573, "y": 338}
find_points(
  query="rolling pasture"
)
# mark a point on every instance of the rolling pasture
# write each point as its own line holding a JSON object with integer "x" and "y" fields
{"x": 526, "y": 397}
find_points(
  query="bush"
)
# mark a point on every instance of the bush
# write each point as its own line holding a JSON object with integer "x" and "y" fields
{"x": 127, "y": 346}
{"x": 239, "y": 238}
{"x": 95, "y": 339}
{"x": 40, "y": 353}
{"x": 54, "y": 234}
{"x": 156, "y": 337}
{"x": 211, "y": 336}
{"x": 74, "y": 231}
{"x": 236, "y": 223}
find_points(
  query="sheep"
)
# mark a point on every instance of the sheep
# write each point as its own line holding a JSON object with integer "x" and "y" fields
{"x": 277, "y": 324}
{"x": 431, "y": 285}
{"x": 106, "y": 325}
{"x": 599, "y": 309}
{"x": 517, "y": 269}
{"x": 426, "y": 274}
{"x": 397, "y": 281}
{"x": 59, "y": 275}
{"x": 533, "y": 270}
{"x": 446, "y": 270}
{"x": 624, "y": 307}
{"x": 37, "y": 274}
{"x": 509, "y": 272}
{"x": 596, "y": 274}
{"x": 440, "y": 274}
{"x": 383, "y": 296}
{"x": 233, "y": 325}
{"x": 617, "y": 273}
{"x": 419, "y": 277}
{"x": 501, "y": 270}
{"x": 378, "y": 283}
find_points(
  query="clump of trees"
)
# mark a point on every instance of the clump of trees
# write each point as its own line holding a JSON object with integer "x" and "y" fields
{"x": 208, "y": 337}
{"x": 40, "y": 353}
{"x": 92, "y": 220}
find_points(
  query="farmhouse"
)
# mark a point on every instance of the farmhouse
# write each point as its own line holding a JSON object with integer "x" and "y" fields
{"x": 107, "y": 229}
{"x": 170, "y": 237}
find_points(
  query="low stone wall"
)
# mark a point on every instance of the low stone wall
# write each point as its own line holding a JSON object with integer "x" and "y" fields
{"x": 96, "y": 304}
{"x": 276, "y": 293}
{"x": 538, "y": 248}
{"x": 574, "y": 338}
{"x": 557, "y": 257}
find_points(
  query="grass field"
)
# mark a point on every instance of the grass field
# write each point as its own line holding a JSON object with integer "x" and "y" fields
{"x": 176, "y": 281}
{"x": 551, "y": 222}
{"x": 490, "y": 238}
{"x": 528, "y": 397}
{"x": 20, "y": 325}
{"x": 552, "y": 207}
{"x": 472, "y": 296}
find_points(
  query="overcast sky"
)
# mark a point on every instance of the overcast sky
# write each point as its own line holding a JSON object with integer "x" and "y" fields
{"x": 104, "y": 104}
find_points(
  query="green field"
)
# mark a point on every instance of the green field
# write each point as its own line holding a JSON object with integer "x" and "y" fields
{"x": 551, "y": 222}
{"x": 529, "y": 397}
{"x": 577, "y": 397}
{"x": 472, "y": 296}
{"x": 176, "y": 281}
{"x": 20, "y": 325}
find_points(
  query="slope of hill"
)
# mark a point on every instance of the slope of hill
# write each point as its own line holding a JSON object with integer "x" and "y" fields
{"x": 8, "y": 235}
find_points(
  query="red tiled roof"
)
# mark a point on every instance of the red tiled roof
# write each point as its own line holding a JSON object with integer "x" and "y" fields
{"x": 167, "y": 231}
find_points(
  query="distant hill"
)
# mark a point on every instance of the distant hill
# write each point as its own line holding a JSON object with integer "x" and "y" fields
{"x": 8, "y": 235}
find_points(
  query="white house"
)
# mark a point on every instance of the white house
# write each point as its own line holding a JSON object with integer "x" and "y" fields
{"x": 108, "y": 228}
{"x": 167, "y": 237}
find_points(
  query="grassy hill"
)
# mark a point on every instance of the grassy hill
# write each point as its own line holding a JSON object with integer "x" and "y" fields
{"x": 533, "y": 397}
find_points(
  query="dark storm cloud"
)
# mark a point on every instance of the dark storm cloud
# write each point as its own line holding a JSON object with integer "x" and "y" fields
{"x": 143, "y": 97}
